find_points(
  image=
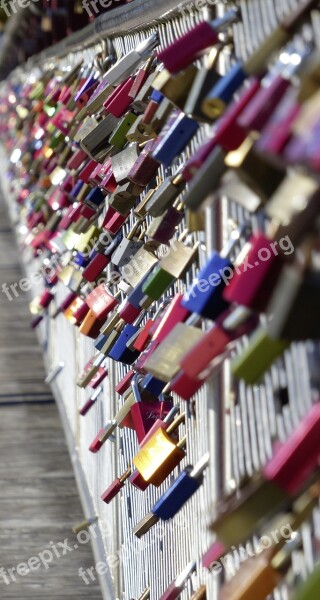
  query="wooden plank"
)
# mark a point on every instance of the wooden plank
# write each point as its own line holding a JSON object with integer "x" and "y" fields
{"x": 39, "y": 501}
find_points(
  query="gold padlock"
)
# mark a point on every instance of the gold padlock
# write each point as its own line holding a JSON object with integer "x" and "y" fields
{"x": 160, "y": 455}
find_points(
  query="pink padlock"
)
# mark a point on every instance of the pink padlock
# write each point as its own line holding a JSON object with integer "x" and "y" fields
{"x": 119, "y": 105}
{"x": 115, "y": 223}
{"x": 253, "y": 282}
{"x": 88, "y": 168}
{"x": 76, "y": 159}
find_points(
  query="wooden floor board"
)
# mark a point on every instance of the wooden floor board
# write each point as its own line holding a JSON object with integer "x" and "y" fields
{"x": 39, "y": 501}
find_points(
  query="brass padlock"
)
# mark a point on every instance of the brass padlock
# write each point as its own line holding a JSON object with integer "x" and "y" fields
{"x": 125, "y": 197}
{"x": 160, "y": 455}
{"x": 164, "y": 362}
{"x": 176, "y": 87}
{"x": 136, "y": 269}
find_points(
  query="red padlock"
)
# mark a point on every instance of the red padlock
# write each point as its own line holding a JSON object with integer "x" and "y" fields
{"x": 125, "y": 383}
{"x": 98, "y": 378}
{"x": 116, "y": 486}
{"x": 119, "y": 105}
{"x": 101, "y": 302}
{"x": 95, "y": 267}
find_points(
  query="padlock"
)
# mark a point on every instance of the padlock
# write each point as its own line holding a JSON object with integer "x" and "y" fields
{"x": 118, "y": 103}
{"x": 273, "y": 88}
{"x": 124, "y": 384}
{"x": 222, "y": 93}
{"x": 205, "y": 295}
{"x": 176, "y": 87}
{"x": 145, "y": 414}
{"x": 95, "y": 267}
{"x": 175, "y": 313}
{"x": 139, "y": 266}
{"x": 141, "y": 100}
{"x": 114, "y": 221}
{"x": 183, "y": 51}
{"x": 258, "y": 356}
{"x": 123, "y": 162}
{"x": 90, "y": 370}
{"x": 258, "y": 576}
{"x": 125, "y": 197}
{"x": 175, "y": 589}
{"x": 119, "y": 137}
{"x": 145, "y": 167}
{"x": 144, "y": 337}
{"x": 136, "y": 478}
{"x": 170, "y": 268}
{"x": 107, "y": 342}
{"x": 120, "y": 352}
{"x": 256, "y": 579}
{"x": 95, "y": 143}
{"x": 128, "y": 313}
{"x": 139, "y": 132}
{"x": 164, "y": 362}
{"x": 95, "y": 198}
{"x": 163, "y": 228}
{"x": 129, "y": 63}
{"x": 216, "y": 342}
{"x": 204, "y": 81}
{"x": 154, "y": 123}
{"x": 107, "y": 432}
{"x": 165, "y": 195}
{"x": 286, "y": 473}
{"x": 90, "y": 403}
{"x": 101, "y": 302}
{"x": 176, "y": 139}
{"x": 140, "y": 210}
{"x": 160, "y": 455}
{"x": 141, "y": 77}
{"x": 128, "y": 247}
{"x": 76, "y": 311}
{"x": 98, "y": 378}
{"x": 254, "y": 278}
{"x": 115, "y": 488}
{"x": 171, "y": 502}
{"x": 91, "y": 325}
{"x": 293, "y": 306}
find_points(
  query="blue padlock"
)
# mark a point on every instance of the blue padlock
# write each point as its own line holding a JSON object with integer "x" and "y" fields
{"x": 120, "y": 351}
{"x": 157, "y": 96}
{"x": 182, "y": 489}
{"x": 204, "y": 297}
{"x": 100, "y": 341}
{"x": 77, "y": 189}
{"x": 223, "y": 91}
{"x": 152, "y": 385}
{"x": 95, "y": 198}
{"x": 81, "y": 259}
{"x": 137, "y": 294}
{"x": 175, "y": 140}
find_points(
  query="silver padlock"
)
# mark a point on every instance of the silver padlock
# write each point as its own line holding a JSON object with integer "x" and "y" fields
{"x": 165, "y": 195}
{"x": 129, "y": 246}
{"x": 95, "y": 143}
{"x": 123, "y": 162}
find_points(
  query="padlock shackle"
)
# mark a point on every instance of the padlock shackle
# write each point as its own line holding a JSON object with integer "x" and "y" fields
{"x": 176, "y": 423}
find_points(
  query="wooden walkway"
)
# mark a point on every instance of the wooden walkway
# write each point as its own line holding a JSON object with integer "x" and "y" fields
{"x": 39, "y": 502}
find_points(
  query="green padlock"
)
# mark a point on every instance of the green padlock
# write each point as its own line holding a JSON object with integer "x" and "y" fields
{"x": 118, "y": 138}
{"x": 37, "y": 92}
{"x": 259, "y": 355}
{"x": 169, "y": 269}
{"x": 56, "y": 139}
{"x": 310, "y": 589}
